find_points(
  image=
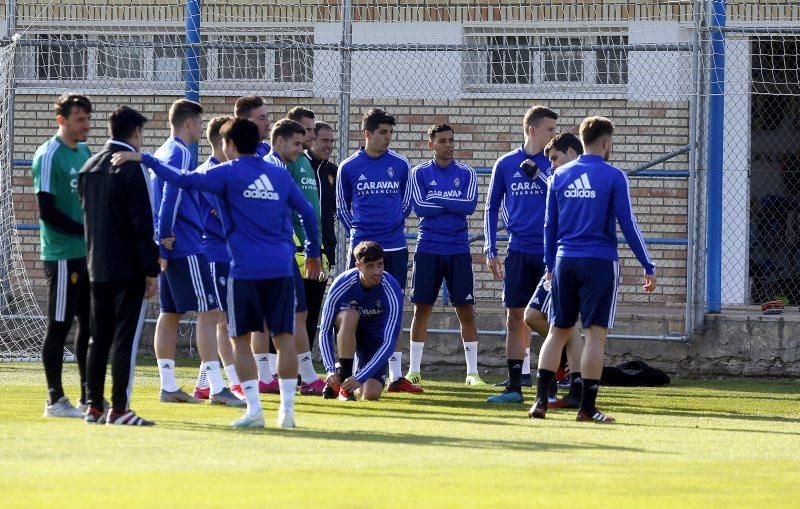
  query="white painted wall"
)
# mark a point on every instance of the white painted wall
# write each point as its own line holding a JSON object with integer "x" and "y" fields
{"x": 659, "y": 75}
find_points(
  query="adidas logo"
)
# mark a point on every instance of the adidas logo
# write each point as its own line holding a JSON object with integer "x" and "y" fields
{"x": 580, "y": 188}
{"x": 467, "y": 349}
{"x": 306, "y": 358}
{"x": 73, "y": 171}
{"x": 536, "y": 300}
{"x": 469, "y": 297}
{"x": 261, "y": 189}
{"x": 433, "y": 183}
{"x": 517, "y": 175}
{"x": 166, "y": 366}
{"x": 362, "y": 177}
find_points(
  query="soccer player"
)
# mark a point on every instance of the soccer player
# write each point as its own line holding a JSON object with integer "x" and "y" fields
{"x": 255, "y": 199}
{"x": 215, "y": 248}
{"x": 185, "y": 282}
{"x": 306, "y": 179}
{"x": 63, "y": 249}
{"x": 252, "y": 107}
{"x": 122, "y": 264}
{"x": 365, "y": 307}
{"x": 373, "y": 199}
{"x": 585, "y": 199}
{"x": 287, "y": 147}
{"x": 518, "y": 187}
{"x": 445, "y": 193}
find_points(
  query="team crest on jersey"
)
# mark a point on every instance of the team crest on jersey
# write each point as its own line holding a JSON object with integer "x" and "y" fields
{"x": 330, "y": 179}
{"x": 378, "y": 304}
{"x": 73, "y": 277}
{"x": 211, "y": 299}
{"x": 222, "y": 281}
{"x": 390, "y": 171}
{"x": 457, "y": 182}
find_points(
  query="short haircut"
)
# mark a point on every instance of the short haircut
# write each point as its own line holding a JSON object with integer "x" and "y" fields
{"x": 243, "y": 133}
{"x": 375, "y": 117}
{"x": 245, "y": 105}
{"x": 535, "y": 114}
{"x": 214, "y": 125}
{"x": 438, "y": 128}
{"x": 285, "y": 128}
{"x": 593, "y": 128}
{"x": 182, "y": 110}
{"x": 368, "y": 251}
{"x": 123, "y": 122}
{"x": 319, "y": 125}
{"x": 68, "y": 102}
{"x": 298, "y": 113}
{"x": 563, "y": 142}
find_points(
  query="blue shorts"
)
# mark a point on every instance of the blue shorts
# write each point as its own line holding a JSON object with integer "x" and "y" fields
{"x": 395, "y": 263}
{"x": 369, "y": 338}
{"x": 219, "y": 274}
{"x": 522, "y": 273}
{"x": 300, "y": 303}
{"x": 251, "y": 302}
{"x": 541, "y": 300}
{"x": 585, "y": 286}
{"x": 186, "y": 285}
{"x": 429, "y": 271}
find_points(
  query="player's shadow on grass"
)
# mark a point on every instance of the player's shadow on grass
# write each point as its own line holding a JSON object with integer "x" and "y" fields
{"x": 718, "y": 414}
{"x": 374, "y": 411}
{"x": 708, "y": 428}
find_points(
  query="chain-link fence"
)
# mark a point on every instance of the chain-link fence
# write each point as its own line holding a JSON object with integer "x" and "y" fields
{"x": 712, "y": 181}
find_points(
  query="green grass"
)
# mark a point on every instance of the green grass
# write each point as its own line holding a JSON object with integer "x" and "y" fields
{"x": 705, "y": 444}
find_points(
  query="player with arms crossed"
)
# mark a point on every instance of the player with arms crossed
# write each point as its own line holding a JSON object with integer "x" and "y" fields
{"x": 373, "y": 199}
{"x": 585, "y": 199}
{"x": 518, "y": 189}
{"x": 63, "y": 249}
{"x": 445, "y": 193}
{"x": 365, "y": 307}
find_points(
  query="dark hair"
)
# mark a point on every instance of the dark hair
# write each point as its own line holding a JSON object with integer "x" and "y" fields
{"x": 244, "y": 105}
{"x": 593, "y": 128}
{"x": 243, "y": 133}
{"x": 535, "y": 114}
{"x": 123, "y": 122}
{"x": 438, "y": 128}
{"x": 214, "y": 125}
{"x": 375, "y": 117}
{"x": 563, "y": 142}
{"x": 68, "y": 102}
{"x": 367, "y": 251}
{"x": 182, "y": 110}
{"x": 285, "y": 128}
{"x": 298, "y": 113}
{"x": 319, "y": 125}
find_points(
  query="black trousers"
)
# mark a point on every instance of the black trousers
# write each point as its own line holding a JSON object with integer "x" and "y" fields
{"x": 315, "y": 291}
{"x": 68, "y": 298}
{"x": 117, "y": 317}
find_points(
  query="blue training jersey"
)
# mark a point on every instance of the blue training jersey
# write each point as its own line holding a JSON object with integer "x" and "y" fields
{"x": 254, "y": 199}
{"x": 585, "y": 199}
{"x": 263, "y": 149}
{"x": 373, "y": 198}
{"x": 519, "y": 200}
{"x": 443, "y": 198}
{"x": 214, "y": 244}
{"x": 178, "y": 210}
{"x": 381, "y": 305}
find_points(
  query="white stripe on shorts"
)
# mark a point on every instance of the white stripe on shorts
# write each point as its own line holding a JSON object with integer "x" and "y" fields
{"x": 613, "y": 311}
{"x": 197, "y": 283}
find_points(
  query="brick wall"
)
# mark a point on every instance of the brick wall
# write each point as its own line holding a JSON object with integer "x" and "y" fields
{"x": 485, "y": 129}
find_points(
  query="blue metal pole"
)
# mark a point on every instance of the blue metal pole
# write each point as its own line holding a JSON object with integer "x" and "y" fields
{"x": 192, "y": 55}
{"x": 716, "y": 142}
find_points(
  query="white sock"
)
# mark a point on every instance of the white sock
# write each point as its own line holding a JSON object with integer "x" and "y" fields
{"x": 416, "y": 356}
{"x": 262, "y": 363}
{"x": 166, "y": 370}
{"x": 250, "y": 389}
{"x": 233, "y": 377}
{"x": 526, "y": 362}
{"x": 288, "y": 388}
{"x": 306, "y": 368}
{"x": 214, "y": 374}
{"x": 395, "y": 366}
{"x": 202, "y": 379}
{"x": 471, "y": 354}
{"x": 273, "y": 366}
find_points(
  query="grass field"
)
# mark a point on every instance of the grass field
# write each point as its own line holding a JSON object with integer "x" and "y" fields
{"x": 709, "y": 444}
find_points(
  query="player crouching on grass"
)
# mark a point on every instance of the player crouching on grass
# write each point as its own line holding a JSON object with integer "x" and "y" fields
{"x": 585, "y": 198}
{"x": 255, "y": 198}
{"x": 365, "y": 307}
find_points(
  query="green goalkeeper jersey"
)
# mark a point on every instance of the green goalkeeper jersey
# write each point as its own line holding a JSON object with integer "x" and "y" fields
{"x": 55, "y": 171}
{"x": 306, "y": 180}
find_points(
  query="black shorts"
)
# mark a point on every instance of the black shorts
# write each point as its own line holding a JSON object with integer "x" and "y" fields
{"x": 68, "y": 288}
{"x": 522, "y": 273}
{"x": 585, "y": 286}
{"x": 369, "y": 339}
{"x": 429, "y": 271}
{"x": 251, "y": 302}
